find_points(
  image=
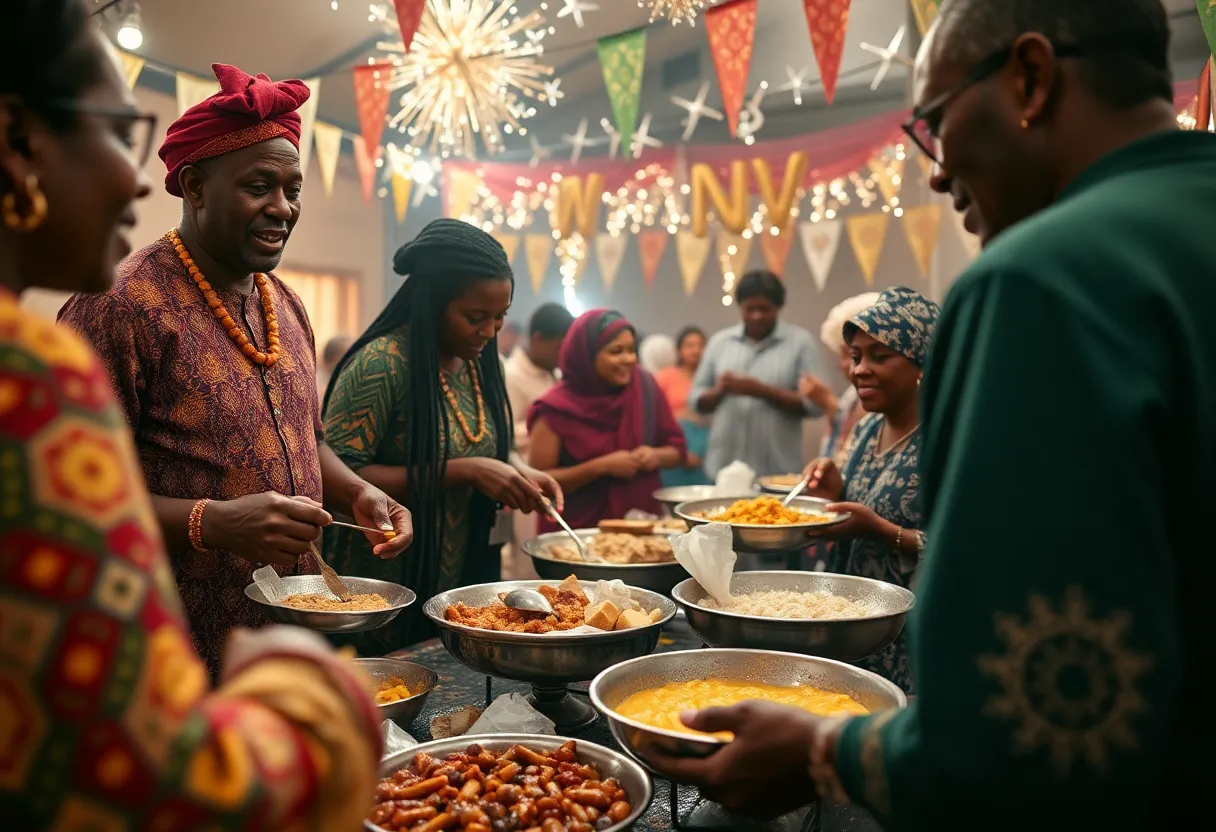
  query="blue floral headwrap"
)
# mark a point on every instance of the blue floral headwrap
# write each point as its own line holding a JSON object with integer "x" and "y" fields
{"x": 902, "y": 320}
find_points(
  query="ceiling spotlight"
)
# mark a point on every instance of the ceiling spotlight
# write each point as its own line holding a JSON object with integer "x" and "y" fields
{"x": 130, "y": 35}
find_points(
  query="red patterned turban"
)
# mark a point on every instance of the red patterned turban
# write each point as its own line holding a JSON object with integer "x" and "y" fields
{"x": 245, "y": 111}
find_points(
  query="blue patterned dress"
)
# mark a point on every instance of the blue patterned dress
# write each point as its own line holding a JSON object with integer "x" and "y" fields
{"x": 890, "y": 485}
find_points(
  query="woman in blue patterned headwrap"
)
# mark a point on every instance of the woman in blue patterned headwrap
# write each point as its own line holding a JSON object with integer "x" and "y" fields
{"x": 880, "y": 484}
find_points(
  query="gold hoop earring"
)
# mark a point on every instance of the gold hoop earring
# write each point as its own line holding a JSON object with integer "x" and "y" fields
{"x": 37, "y": 207}
{"x": 1025, "y": 124}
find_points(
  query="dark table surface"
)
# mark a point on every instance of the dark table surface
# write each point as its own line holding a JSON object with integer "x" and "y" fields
{"x": 459, "y": 686}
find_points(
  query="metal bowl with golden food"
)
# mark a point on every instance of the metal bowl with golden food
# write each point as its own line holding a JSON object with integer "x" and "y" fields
{"x": 617, "y": 683}
{"x": 765, "y": 538}
{"x": 397, "y": 596}
{"x": 608, "y": 762}
{"x": 673, "y": 495}
{"x": 778, "y": 483}
{"x": 843, "y": 639}
{"x": 420, "y": 680}
{"x": 656, "y": 577}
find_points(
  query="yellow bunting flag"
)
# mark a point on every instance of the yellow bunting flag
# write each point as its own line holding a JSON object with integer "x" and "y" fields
{"x": 733, "y": 251}
{"x": 925, "y": 11}
{"x": 776, "y": 248}
{"x": 308, "y": 122}
{"x": 867, "y": 233}
{"x": 610, "y": 253}
{"x": 132, "y": 66}
{"x": 888, "y": 176}
{"x": 820, "y": 242}
{"x": 971, "y": 242}
{"x": 538, "y": 248}
{"x": 922, "y": 225}
{"x": 193, "y": 90}
{"x": 692, "y": 252}
{"x": 328, "y": 140}
{"x": 652, "y": 245}
{"x": 402, "y": 185}
{"x": 461, "y": 192}
{"x": 509, "y": 243}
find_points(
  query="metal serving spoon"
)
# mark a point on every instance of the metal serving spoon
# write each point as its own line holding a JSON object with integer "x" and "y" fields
{"x": 527, "y": 600}
{"x": 796, "y": 490}
{"x": 578, "y": 541}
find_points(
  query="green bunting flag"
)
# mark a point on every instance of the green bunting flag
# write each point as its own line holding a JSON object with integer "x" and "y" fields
{"x": 1207, "y": 18}
{"x": 622, "y": 58}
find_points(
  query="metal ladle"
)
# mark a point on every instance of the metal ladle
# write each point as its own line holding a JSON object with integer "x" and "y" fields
{"x": 527, "y": 600}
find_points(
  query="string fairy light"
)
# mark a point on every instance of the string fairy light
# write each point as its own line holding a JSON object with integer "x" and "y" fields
{"x": 471, "y": 72}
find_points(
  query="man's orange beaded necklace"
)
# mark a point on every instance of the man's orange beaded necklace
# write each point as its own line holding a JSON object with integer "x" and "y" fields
{"x": 266, "y": 359}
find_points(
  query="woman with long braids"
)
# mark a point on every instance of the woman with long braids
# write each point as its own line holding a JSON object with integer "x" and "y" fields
{"x": 418, "y": 407}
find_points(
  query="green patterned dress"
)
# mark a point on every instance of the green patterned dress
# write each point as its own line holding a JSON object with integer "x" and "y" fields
{"x": 366, "y": 423}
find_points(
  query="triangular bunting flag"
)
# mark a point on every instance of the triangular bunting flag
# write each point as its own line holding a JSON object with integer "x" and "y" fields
{"x": 328, "y": 140}
{"x": 828, "y": 21}
{"x": 867, "y": 234}
{"x": 652, "y": 245}
{"x": 622, "y": 59}
{"x": 132, "y": 66}
{"x": 922, "y": 226}
{"x": 509, "y": 243}
{"x": 459, "y": 192}
{"x": 926, "y": 10}
{"x": 610, "y": 253}
{"x": 371, "y": 102}
{"x": 193, "y": 90}
{"x": 692, "y": 252}
{"x": 409, "y": 15}
{"x": 776, "y": 248}
{"x": 820, "y": 242}
{"x": 366, "y": 166}
{"x": 733, "y": 251}
{"x": 971, "y": 242}
{"x": 401, "y": 195}
{"x": 731, "y": 29}
{"x": 888, "y": 176}
{"x": 538, "y": 249}
{"x": 308, "y": 122}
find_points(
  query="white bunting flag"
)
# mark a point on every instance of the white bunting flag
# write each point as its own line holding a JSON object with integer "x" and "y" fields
{"x": 610, "y": 252}
{"x": 820, "y": 242}
{"x": 328, "y": 139}
{"x": 193, "y": 90}
{"x": 308, "y": 119}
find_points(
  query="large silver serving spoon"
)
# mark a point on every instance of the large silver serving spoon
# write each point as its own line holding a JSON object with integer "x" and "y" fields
{"x": 796, "y": 490}
{"x": 527, "y": 600}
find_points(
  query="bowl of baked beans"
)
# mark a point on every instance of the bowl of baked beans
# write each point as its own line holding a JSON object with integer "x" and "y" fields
{"x": 509, "y": 783}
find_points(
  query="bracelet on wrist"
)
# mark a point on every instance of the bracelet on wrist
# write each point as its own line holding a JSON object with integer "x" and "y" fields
{"x": 194, "y": 526}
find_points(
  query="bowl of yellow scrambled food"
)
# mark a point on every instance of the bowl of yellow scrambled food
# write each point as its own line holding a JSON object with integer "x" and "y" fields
{"x": 642, "y": 699}
{"x": 763, "y": 524}
{"x": 400, "y": 688}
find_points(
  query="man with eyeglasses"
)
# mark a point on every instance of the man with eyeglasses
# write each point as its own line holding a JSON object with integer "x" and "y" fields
{"x": 1062, "y": 621}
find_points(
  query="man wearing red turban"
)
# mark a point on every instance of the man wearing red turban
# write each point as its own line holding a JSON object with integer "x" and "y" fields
{"x": 213, "y": 359}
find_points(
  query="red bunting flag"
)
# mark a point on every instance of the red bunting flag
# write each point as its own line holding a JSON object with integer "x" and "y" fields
{"x": 828, "y": 21}
{"x": 652, "y": 245}
{"x": 409, "y": 15}
{"x": 731, "y": 28}
{"x": 371, "y": 100}
{"x": 365, "y": 163}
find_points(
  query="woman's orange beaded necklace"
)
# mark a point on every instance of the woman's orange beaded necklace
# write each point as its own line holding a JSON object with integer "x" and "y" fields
{"x": 455, "y": 405}
{"x": 266, "y": 359}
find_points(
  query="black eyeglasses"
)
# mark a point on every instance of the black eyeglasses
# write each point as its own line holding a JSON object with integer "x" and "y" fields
{"x": 136, "y": 129}
{"x": 926, "y": 120}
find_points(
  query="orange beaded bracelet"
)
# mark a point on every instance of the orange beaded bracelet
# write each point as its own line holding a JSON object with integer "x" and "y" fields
{"x": 195, "y": 526}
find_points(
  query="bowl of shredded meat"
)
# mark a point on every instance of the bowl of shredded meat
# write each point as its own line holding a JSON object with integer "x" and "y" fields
{"x": 644, "y": 561}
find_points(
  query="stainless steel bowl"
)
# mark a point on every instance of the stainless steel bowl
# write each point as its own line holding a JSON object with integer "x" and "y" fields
{"x": 397, "y": 596}
{"x": 657, "y": 577}
{"x": 633, "y": 779}
{"x": 418, "y": 678}
{"x": 769, "y": 487}
{"x": 763, "y": 538}
{"x": 844, "y": 639}
{"x": 553, "y": 659}
{"x": 617, "y": 683}
{"x": 676, "y": 494}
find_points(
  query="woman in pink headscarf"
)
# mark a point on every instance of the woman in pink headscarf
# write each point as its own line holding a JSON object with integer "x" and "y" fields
{"x": 605, "y": 430}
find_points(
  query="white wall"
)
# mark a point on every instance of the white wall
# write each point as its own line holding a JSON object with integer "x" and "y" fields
{"x": 340, "y": 234}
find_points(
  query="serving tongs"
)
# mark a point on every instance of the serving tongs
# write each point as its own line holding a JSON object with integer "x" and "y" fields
{"x": 578, "y": 541}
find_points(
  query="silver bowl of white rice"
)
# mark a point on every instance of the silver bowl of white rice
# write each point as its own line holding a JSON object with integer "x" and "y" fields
{"x": 840, "y": 617}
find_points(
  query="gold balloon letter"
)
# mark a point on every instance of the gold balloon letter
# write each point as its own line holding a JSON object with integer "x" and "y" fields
{"x": 779, "y": 206}
{"x": 578, "y": 205}
{"x": 732, "y": 212}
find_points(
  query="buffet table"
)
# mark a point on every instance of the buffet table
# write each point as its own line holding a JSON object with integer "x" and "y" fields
{"x": 459, "y": 686}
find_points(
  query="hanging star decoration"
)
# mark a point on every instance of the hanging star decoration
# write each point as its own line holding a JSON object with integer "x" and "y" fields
{"x": 642, "y": 138}
{"x": 551, "y": 92}
{"x": 579, "y": 141}
{"x": 614, "y": 137}
{"x": 696, "y": 109}
{"x": 752, "y": 118}
{"x": 539, "y": 152}
{"x": 888, "y": 54}
{"x": 470, "y": 73}
{"x": 574, "y": 9}
{"x": 677, "y": 11}
{"x": 798, "y": 81}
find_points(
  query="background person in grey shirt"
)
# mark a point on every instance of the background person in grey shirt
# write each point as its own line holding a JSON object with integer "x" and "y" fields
{"x": 748, "y": 380}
